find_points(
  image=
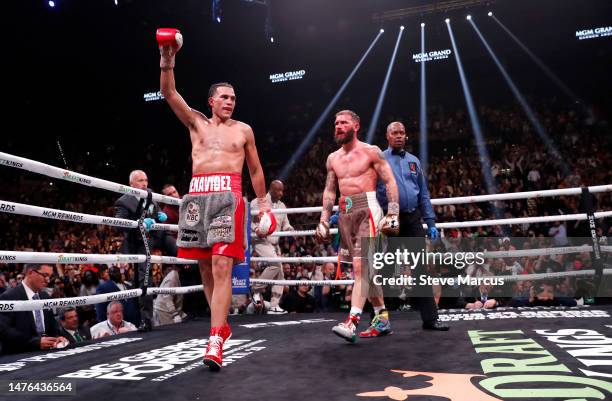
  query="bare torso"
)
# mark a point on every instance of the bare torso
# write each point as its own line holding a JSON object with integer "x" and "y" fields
{"x": 355, "y": 169}
{"x": 218, "y": 148}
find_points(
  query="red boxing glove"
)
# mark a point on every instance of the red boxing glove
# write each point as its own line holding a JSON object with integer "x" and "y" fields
{"x": 170, "y": 41}
{"x": 267, "y": 224}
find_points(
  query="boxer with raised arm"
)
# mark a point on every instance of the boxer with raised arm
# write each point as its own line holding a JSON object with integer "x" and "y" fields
{"x": 211, "y": 222}
{"x": 355, "y": 169}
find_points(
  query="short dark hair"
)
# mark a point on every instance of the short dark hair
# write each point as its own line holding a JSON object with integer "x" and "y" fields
{"x": 213, "y": 87}
{"x": 32, "y": 266}
{"x": 167, "y": 186}
{"x": 62, "y": 314}
{"x": 351, "y": 113}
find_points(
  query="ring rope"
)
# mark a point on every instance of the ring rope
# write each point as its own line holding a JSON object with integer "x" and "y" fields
{"x": 58, "y": 214}
{"x": 88, "y": 258}
{"x": 67, "y": 175}
{"x": 21, "y": 306}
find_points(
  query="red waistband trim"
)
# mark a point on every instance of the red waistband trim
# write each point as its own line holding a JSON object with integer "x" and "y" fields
{"x": 215, "y": 182}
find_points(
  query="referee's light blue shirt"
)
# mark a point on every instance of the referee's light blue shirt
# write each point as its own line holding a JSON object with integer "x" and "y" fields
{"x": 411, "y": 185}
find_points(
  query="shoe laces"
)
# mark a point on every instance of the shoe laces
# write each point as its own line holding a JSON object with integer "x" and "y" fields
{"x": 215, "y": 344}
{"x": 351, "y": 322}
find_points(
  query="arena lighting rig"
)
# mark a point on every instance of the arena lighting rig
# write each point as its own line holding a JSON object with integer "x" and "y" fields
{"x": 433, "y": 7}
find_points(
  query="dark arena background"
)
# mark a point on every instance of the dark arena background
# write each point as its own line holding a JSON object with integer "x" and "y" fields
{"x": 507, "y": 109}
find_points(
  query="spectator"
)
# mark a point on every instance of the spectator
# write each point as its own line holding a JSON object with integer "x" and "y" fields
{"x": 299, "y": 301}
{"x": 559, "y": 233}
{"x": 29, "y": 331}
{"x": 168, "y": 308}
{"x": 2, "y": 284}
{"x": 543, "y": 294}
{"x": 267, "y": 246}
{"x": 172, "y": 211}
{"x": 113, "y": 285}
{"x": 114, "y": 324}
{"x": 481, "y": 298}
{"x": 70, "y": 328}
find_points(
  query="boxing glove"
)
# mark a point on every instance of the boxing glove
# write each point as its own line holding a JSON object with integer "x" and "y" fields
{"x": 322, "y": 232}
{"x": 267, "y": 224}
{"x": 169, "y": 41}
{"x": 390, "y": 223}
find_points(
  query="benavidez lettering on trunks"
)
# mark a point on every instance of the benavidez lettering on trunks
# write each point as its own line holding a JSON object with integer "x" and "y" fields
{"x": 215, "y": 183}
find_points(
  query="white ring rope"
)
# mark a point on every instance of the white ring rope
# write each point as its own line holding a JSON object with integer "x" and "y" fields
{"x": 302, "y": 233}
{"x": 65, "y": 215}
{"x": 67, "y": 175}
{"x": 296, "y": 259}
{"x": 56, "y": 172}
{"x": 20, "y": 306}
{"x": 291, "y": 283}
{"x": 85, "y": 258}
{"x": 88, "y": 258}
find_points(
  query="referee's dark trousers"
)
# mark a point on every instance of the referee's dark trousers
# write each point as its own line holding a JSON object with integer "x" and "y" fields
{"x": 422, "y": 299}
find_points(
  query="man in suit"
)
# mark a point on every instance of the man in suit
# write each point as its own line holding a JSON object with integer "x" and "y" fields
{"x": 114, "y": 284}
{"x": 130, "y": 207}
{"x": 30, "y": 330}
{"x": 69, "y": 326}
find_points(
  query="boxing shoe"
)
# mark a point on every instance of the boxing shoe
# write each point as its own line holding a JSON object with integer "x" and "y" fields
{"x": 348, "y": 328}
{"x": 226, "y": 331}
{"x": 214, "y": 349}
{"x": 380, "y": 326}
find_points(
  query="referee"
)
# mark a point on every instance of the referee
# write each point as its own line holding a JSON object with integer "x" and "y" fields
{"x": 415, "y": 204}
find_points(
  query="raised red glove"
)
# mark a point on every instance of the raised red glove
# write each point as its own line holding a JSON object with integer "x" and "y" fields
{"x": 170, "y": 41}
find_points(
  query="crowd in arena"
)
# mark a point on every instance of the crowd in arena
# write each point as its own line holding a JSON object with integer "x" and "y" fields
{"x": 520, "y": 161}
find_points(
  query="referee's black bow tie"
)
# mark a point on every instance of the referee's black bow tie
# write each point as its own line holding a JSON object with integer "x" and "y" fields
{"x": 401, "y": 153}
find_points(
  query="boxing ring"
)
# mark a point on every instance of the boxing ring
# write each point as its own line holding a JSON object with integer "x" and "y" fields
{"x": 505, "y": 353}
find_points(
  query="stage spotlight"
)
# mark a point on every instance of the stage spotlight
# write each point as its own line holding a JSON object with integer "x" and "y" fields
{"x": 383, "y": 92}
{"x": 271, "y": 39}
{"x": 485, "y": 159}
{"x": 469, "y": 17}
{"x": 382, "y": 30}
{"x": 423, "y": 148}
{"x": 216, "y": 10}
{"x": 447, "y": 20}
{"x": 402, "y": 27}
{"x": 116, "y": 2}
{"x": 539, "y": 128}
{"x": 51, "y": 4}
{"x": 305, "y": 145}
{"x": 490, "y": 13}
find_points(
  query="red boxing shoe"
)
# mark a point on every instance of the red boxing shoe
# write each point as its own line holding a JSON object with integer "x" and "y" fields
{"x": 214, "y": 350}
{"x": 226, "y": 331}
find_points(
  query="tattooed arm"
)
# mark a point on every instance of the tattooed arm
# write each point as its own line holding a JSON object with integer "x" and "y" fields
{"x": 329, "y": 193}
{"x": 383, "y": 169}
